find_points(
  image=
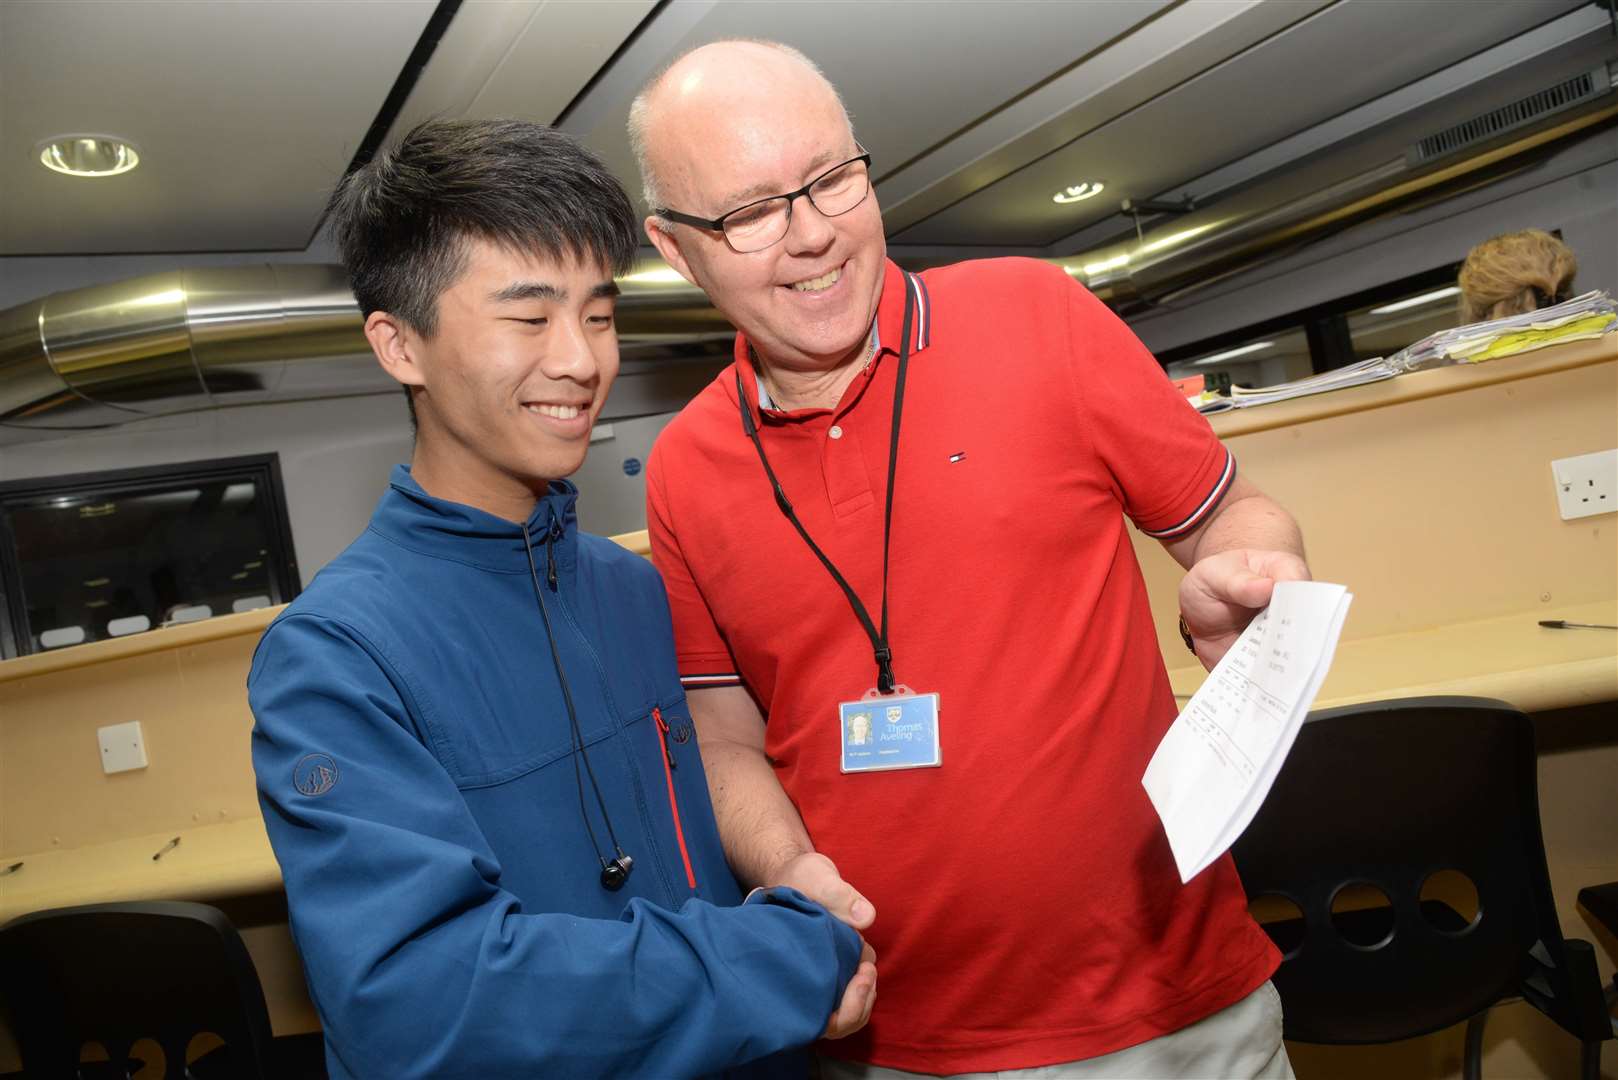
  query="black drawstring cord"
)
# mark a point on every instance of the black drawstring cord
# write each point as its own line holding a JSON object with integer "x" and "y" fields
{"x": 567, "y": 698}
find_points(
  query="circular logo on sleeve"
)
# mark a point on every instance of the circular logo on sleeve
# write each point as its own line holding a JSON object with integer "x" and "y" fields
{"x": 631, "y": 466}
{"x": 314, "y": 774}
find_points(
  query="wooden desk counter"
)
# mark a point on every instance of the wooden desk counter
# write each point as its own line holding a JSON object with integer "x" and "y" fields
{"x": 211, "y": 862}
{"x": 1510, "y": 657}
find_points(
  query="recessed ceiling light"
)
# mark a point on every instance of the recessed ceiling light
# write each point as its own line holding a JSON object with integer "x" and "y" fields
{"x": 1085, "y": 189}
{"x": 88, "y": 155}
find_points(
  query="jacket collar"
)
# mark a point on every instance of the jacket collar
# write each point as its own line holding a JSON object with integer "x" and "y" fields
{"x": 441, "y": 529}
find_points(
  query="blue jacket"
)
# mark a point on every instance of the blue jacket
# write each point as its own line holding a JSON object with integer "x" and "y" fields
{"x": 417, "y": 775}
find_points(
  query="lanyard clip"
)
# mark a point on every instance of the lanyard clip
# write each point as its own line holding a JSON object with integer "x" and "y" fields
{"x": 884, "y": 670}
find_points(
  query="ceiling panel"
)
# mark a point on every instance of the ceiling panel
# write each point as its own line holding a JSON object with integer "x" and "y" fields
{"x": 245, "y": 115}
{"x": 911, "y": 74}
{"x": 1350, "y": 53}
{"x": 526, "y": 59}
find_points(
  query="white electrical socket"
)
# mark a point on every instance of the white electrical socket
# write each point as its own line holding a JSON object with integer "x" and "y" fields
{"x": 122, "y": 747}
{"x": 1587, "y": 484}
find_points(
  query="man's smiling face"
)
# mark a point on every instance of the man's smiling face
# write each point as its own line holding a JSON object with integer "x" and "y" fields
{"x": 515, "y": 372}
{"x": 724, "y": 136}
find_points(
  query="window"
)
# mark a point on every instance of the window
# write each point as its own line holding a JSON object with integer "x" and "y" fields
{"x": 1264, "y": 360}
{"x": 101, "y": 555}
{"x": 1383, "y": 328}
{"x": 1376, "y": 322}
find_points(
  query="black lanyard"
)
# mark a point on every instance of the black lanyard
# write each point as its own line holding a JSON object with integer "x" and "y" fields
{"x": 879, "y": 639}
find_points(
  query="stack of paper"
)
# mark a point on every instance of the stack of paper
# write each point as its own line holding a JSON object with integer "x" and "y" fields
{"x": 1212, "y": 770}
{"x": 1586, "y": 316}
{"x": 1365, "y": 371}
{"x": 1242, "y": 397}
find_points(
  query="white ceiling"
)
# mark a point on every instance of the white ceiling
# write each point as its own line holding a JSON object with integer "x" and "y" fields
{"x": 1323, "y": 65}
{"x": 976, "y": 112}
{"x": 245, "y": 114}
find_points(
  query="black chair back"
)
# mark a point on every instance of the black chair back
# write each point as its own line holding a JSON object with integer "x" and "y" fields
{"x": 1386, "y": 795}
{"x": 118, "y": 973}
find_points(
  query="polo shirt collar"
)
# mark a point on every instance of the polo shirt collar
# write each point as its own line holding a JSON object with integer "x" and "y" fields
{"x": 888, "y": 326}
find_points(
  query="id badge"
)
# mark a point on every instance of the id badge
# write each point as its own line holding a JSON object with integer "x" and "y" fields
{"x": 890, "y": 731}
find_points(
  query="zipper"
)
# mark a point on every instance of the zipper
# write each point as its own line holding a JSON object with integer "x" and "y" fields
{"x": 674, "y": 805}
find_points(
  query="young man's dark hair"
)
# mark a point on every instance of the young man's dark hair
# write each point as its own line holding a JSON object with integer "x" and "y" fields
{"x": 402, "y": 221}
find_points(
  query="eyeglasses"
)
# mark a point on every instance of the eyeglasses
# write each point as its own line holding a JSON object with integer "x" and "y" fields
{"x": 760, "y": 224}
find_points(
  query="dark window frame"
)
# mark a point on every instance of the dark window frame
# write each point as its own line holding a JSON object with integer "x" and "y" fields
{"x": 1326, "y": 324}
{"x": 263, "y": 470}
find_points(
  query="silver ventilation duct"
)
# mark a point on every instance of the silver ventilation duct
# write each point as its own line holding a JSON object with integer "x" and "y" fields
{"x": 1301, "y": 205}
{"x": 178, "y": 342}
{"x": 199, "y": 339}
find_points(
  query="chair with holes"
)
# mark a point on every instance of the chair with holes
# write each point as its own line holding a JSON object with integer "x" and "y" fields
{"x": 114, "y": 974}
{"x": 1397, "y": 798}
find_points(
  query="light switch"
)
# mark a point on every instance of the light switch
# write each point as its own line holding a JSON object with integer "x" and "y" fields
{"x": 122, "y": 747}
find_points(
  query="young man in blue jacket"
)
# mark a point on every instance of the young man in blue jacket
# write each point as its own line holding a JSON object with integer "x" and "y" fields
{"x": 474, "y": 757}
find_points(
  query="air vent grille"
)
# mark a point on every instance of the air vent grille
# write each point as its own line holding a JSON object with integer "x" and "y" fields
{"x": 1552, "y": 99}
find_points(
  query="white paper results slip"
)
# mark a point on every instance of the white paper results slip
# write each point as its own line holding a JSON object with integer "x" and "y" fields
{"x": 1212, "y": 770}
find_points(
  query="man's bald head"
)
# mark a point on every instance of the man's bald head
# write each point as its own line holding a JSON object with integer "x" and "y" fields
{"x": 723, "y": 78}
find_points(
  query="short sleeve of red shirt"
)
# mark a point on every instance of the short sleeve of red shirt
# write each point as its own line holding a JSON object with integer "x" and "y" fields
{"x": 1169, "y": 467}
{"x": 703, "y": 657}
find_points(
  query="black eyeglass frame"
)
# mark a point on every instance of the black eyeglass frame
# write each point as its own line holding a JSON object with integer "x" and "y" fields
{"x": 718, "y": 224}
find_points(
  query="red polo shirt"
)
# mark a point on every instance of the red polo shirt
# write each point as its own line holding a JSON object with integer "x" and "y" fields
{"x": 1028, "y": 908}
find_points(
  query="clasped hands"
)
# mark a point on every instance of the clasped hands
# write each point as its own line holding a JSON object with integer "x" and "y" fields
{"x": 816, "y": 876}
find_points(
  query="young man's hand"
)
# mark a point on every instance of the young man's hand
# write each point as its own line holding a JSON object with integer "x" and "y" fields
{"x": 858, "y": 997}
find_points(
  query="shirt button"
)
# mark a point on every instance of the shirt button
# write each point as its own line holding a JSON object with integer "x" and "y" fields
{"x": 835, "y": 432}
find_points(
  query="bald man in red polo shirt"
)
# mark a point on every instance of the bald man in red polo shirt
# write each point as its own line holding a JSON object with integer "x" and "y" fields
{"x": 915, "y": 640}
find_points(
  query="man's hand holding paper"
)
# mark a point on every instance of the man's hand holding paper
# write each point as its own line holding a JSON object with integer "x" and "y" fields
{"x": 1218, "y": 760}
{"x": 1221, "y": 593}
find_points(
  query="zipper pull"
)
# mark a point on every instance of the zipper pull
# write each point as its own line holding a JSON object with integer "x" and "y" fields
{"x": 550, "y": 559}
{"x": 663, "y": 732}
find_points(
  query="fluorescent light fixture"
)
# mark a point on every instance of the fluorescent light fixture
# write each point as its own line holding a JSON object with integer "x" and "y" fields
{"x": 88, "y": 155}
{"x": 1229, "y": 354}
{"x": 130, "y": 624}
{"x": 1106, "y": 264}
{"x": 1416, "y": 301}
{"x": 1084, "y": 189}
{"x": 662, "y": 275}
{"x": 97, "y": 582}
{"x": 60, "y": 636}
